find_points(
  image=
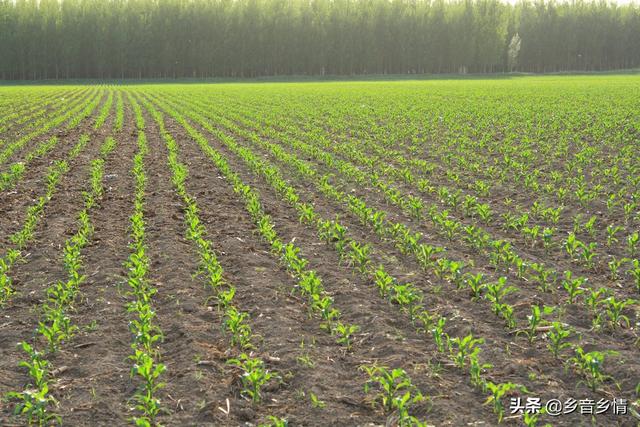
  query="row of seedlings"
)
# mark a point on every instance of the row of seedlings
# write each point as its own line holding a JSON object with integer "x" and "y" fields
{"x": 104, "y": 112}
{"x": 33, "y": 119}
{"x": 79, "y": 109}
{"x": 21, "y": 238}
{"x": 55, "y": 326}
{"x": 235, "y": 322}
{"x": 146, "y": 367}
{"x": 16, "y": 171}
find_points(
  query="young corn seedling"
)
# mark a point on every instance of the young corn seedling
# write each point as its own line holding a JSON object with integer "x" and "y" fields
{"x": 438, "y": 333}
{"x": 451, "y": 228}
{"x": 573, "y": 286}
{"x": 310, "y": 284}
{"x": 8, "y": 179}
{"x": 557, "y": 338}
{"x": 254, "y": 375}
{"x": 333, "y": 232}
{"x": 359, "y": 257}
{"x": 359, "y": 207}
{"x": 426, "y": 255}
{"x": 543, "y": 276}
{"x": 632, "y": 244}
{"x": 595, "y": 297}
{"x": 377, "y": 221}
{"x": 395, "y": 391}
{"x": 316, "y": 402}
{"x": 547, "y": 238}
{"x": 235, "y": 323}
{"x": 427, "y": 321}
{"x": 469, "y": 205}
{"x": 454, "y": 199}
{"x": 324, "y": 306}
{"x": 146, "y": 401}
{"x": 536, "y": 320}
{"x": 561, "y": 194}
{"x": 501, "y": 255}
{"x": 406, "y": 241}
{"x": 383, "y": 281}
{"x": 588, "y": 253}
{"x": 476, "y": 284}
{"x": 215, "y": 273}
{"x": 614, "y": 311}
{"x": 531, "y": 419}
{"x": 589, "y": 226}
{"x": 498, "y": 392}
{"x": 476, "y": 237}
{"x": 424, "y": 185}
{"x": 307, "y": 214}
{"x": 552, "y": 215}
{"x": 590, "y": 365}
{"x": 483, "y": 188}
{"x": 521, "y": 221}
{"x": 275, "y": 422}
{"x": 462, "y": 348}
{"x": 614, "y": 267}
{"x": 521, "y": 268}
{"x": 455, "y": 273}
{"x": 477, "y": 369}
{"x": 344, "y": 334}
{"x": 34, "y": 402}
{"x": 408, "y": 297}
{"x": 6, "y": 285}
{"x": 292, "y": 260}
{"x": 583, "y": 197}
{"x": 441, "y": 267}
{"x": 612, "y": 230}
{"x": 612, "y": 203}
{"x": 572, "y": 245}
{"x": 508, "y": 314}
{"x": 415, "y": 206}
{"x": 634, "y": 272}
{"x": 628, "y": 209}
{"x": 225, "y": 298}
{"x": 145, "y": 333}
{"x": 531, "y": 234}
{"x": 496, "y": 292}
{"x": 484, "y": 212}
{"x": 56, "y": 328}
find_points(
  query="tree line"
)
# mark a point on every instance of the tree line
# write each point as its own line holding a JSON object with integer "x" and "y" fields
{"x": 55, "y": 39}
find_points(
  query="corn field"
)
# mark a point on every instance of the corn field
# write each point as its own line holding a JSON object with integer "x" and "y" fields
{"x": 341, "y": 253}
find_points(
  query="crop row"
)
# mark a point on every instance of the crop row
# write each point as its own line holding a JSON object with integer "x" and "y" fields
{"x": 22, "y": 113}
{"x": 74, "y": 113}
{"x": 56, "y": 326}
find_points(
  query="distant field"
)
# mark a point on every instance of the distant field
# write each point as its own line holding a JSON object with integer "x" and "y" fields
{"x": 332, "y": 253}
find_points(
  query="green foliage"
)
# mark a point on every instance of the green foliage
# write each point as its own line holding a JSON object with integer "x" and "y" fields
{"x": 591, "y": 365}
{"x": 557, "y": 338}
{"x": 254, "y": 375}
{"x": 498, "y": 392}
{"x": 393, "y": 391}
